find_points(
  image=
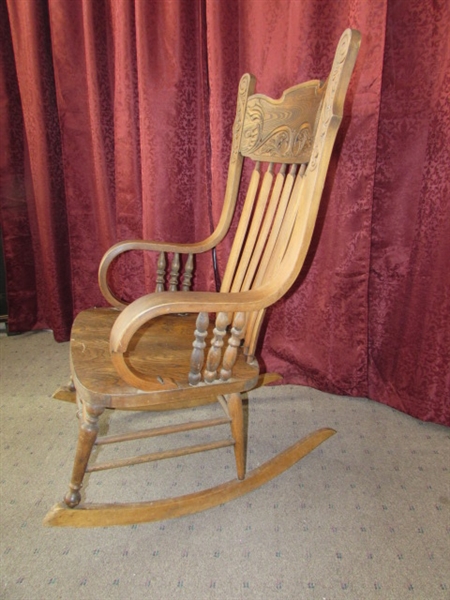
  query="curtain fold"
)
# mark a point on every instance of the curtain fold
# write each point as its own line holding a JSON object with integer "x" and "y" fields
{"x": 409, "y": 327}
{"x": 117, "y": 118}
{"x": 44, "y": 239}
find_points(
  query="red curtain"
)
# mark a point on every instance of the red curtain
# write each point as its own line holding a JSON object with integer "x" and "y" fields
{"x": 116, "y": 118}
{"x": 409, "y": 293}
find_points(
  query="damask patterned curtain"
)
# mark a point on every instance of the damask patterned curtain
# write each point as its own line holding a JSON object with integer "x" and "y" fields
{"x": 116, "y": 120}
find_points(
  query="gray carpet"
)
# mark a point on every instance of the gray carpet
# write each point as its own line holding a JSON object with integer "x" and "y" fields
{"x": 365, "y": 516}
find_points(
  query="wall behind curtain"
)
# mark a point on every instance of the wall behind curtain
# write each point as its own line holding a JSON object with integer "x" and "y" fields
{"x": 117, "y": 121}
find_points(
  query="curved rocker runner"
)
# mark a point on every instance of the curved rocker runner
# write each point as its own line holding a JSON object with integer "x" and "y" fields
{"x": 103, "y": 515}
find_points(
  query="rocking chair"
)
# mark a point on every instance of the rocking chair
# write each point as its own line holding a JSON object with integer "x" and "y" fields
{"x": 151, "y": 354}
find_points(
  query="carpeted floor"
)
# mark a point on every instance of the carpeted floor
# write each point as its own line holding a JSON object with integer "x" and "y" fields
{"x": 365, "y": 516}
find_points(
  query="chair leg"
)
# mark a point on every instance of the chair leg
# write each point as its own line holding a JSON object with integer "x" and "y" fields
{"x": 234, "y": 402}
{"x": 87, "y": 434}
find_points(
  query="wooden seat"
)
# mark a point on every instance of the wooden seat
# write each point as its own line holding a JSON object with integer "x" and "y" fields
{"x": 181, "y": 348}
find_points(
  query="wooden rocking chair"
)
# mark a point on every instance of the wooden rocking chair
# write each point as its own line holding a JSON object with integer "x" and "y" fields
{"x": 152, "y": 354}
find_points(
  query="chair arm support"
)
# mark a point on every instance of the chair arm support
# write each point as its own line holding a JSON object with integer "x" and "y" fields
{"x": 126, "y": 246}
{"x": 151, "y": 306}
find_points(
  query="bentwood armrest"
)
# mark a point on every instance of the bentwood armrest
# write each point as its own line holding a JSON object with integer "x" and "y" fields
{"x": 148, "y": 307}
{"x": 143, "y": 245}
{"x": 121, "y": 247}
{"x": 163, "y": 247}
{"x": 235, "y": 309}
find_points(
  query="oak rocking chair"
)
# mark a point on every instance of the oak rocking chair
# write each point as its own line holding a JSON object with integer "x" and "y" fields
{"x": 152, "y": 354}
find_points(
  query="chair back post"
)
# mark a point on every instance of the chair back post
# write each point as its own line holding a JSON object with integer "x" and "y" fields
{"x": 246, "y": 89}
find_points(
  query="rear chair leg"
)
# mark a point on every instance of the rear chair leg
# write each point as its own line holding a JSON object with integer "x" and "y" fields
{"x": 234, "y": 402}
{"x": 87, "y": 434}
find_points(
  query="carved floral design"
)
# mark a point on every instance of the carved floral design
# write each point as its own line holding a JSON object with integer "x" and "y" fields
{"x": 284, "y": 141}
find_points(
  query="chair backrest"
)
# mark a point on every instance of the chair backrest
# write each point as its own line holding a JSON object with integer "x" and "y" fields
{"x": 290, "y": 141}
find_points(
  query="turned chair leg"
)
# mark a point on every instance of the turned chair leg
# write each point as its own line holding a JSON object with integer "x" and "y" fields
{"x": 87, "y": 434}
{"x": 234, "y": 402}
